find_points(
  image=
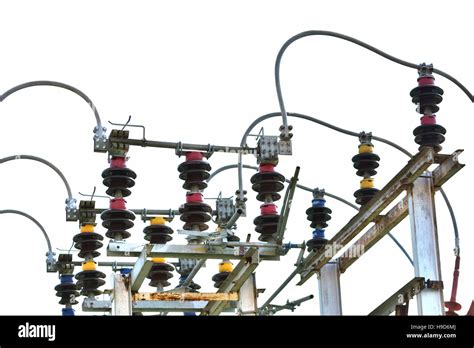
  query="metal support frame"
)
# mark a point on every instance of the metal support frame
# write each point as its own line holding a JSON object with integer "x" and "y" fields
{"x": 235, "y": 280}
{"x": 426, "y": 256}
{"x": 402, "y": 296}
{"x": 91, "y": 305}
{"x": 140, "y": 270}
{"x": 417, "y": 165}
{"x": 448, "y": 167}
{"x": 200, "y": 251}
{"x": 285, "y": 210}
{"x": 247, "y": 304}
{"x": 330, "y": 289}
{"x": 121, "y": 296}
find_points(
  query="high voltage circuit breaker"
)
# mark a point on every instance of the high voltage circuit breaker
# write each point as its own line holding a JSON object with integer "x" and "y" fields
{"x": 212, "y": 232}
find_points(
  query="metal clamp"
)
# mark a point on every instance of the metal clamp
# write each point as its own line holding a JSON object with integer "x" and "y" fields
{"x": 100, "y": 139}
{"x": 434, "y": 284}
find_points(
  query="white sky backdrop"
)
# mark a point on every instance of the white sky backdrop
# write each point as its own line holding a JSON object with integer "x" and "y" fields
{"x": 202, "y": 71}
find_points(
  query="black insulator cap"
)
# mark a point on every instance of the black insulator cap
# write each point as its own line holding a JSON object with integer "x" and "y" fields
{"x": 427, "y": 96}
{"x": 318, "y": 216}
{"x": 158, "y": 234}
{"x": 219, "y": 278}
{"x": 87, "y": 243}
{"x": 67, "y": 292}
{"x": 89, "y": 282}
{"x": 267, "y": 183}
{"x": 117, "y": 221}
{"x": 365, "y": 163}
{"x": 118, "y": 179}
{"x": 430, "y": 135}
{"x": 195, "y": 214}
{"x": 159, "y": 274}
{"x": 364, "y": 195}
{"x": 194, "y": 173}
{"x": 316, "y": 243}
{"x": 266, "y": 225}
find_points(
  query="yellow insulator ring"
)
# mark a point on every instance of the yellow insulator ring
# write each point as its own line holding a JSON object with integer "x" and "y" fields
{"x": 89, "y": 266}
{"x": 87, "y": 228}
{"x": 367, "y": 183}
{"x": 366, "y": 148}
{"x": 158, "y": 259}
{"x": 225, "y": 266}
{"x": 159, "y": 220}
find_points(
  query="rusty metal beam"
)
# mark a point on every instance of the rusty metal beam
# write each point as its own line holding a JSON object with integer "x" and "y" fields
{"x": 419, "y": 163}
{"x": 185, "y": 296}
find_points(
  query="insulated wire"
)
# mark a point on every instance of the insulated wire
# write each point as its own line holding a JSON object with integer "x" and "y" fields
{"x": 354, "y": 41}
{"x": 18, "y": 212}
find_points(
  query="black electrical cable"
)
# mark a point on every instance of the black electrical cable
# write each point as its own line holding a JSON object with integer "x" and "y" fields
{"x": 357, "y": 42}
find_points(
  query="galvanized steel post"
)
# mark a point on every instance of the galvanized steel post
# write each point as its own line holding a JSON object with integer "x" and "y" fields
{"x": 330, "y": 289}
{"x": 425, "y": 244}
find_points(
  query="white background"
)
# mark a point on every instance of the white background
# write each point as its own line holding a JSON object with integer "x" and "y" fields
{"x": 202, "y": 72}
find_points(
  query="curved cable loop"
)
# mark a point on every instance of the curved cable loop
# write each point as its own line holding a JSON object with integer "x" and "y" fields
{"x": 333, "y": 196}
{"x": 99, "y": 130}
{"x": 354, "y": 41}
{"x": 18, "y": 212}
{"x": 70, "y": 201}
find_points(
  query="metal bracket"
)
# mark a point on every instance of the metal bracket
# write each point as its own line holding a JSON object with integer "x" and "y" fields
{"x": 285, "y": 147}
{"x": 71, "y": 209}
{"x": 268, "y": 149}
{"x": 225, "y": 209}
{"x": 87, "y": 214}
{"x": 100, "y": 139}
{"x": 434, "y": 284}
{"x": 118, "y": 149}
{"x": 64, "y": 264}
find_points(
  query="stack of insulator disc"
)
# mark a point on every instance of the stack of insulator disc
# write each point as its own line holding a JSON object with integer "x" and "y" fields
{"x": 118, "y": 178}
{"x": 67, "y": 290}
{"x": 365, "y": 162}
{"x": 117, "y": 219}
{"x": 318, "y": 214}
{"x": 157, "y": 232}
{"x": 225, "y": 268}
{"x": 88, "y": 242}
{"x": 160, "y": 273}
{"x": 195, "y": 213}
{"x": 194, "y": 171}
{"x": 89, "y": 280}
{"x": 427, "y": 96}
{"x": 267, "y": 183}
